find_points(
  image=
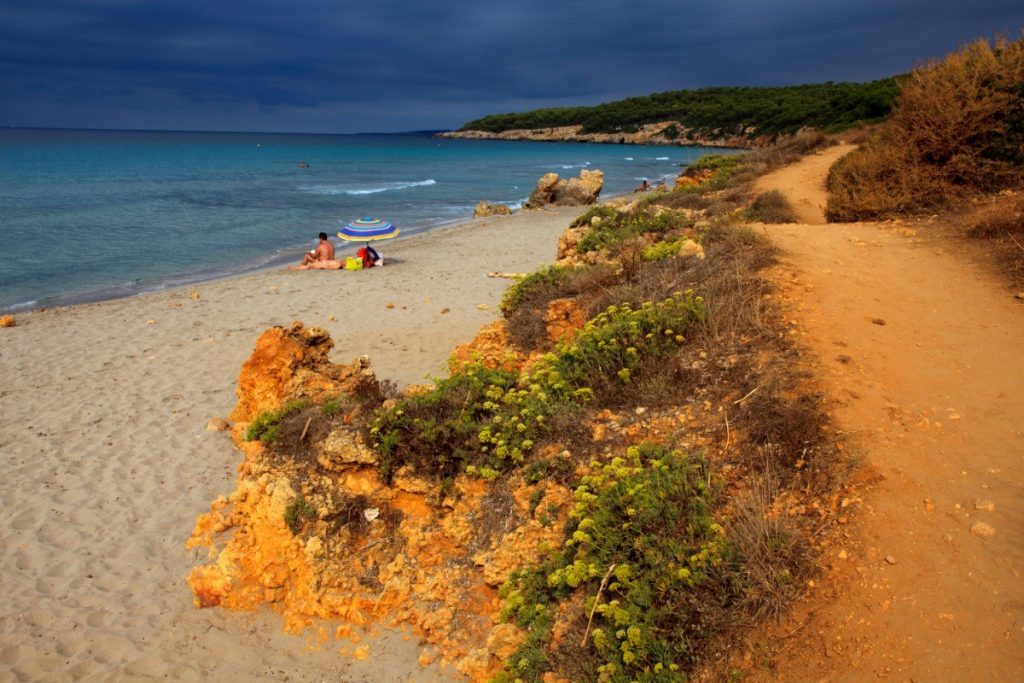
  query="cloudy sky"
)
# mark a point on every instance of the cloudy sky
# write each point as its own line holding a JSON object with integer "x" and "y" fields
{"x": 389, "y": 65}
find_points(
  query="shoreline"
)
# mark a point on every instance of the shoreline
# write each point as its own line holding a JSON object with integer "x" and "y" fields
{"x": 107, "y": 457}
{"x": 280, "y": 259}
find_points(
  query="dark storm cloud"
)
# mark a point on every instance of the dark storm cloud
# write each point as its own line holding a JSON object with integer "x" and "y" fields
{"x": 342, "y": 65}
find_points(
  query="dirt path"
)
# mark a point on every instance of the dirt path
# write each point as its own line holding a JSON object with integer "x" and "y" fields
{"x": 923, "y": 352}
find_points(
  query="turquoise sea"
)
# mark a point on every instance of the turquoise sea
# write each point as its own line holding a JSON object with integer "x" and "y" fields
{"x": 92, "y": 215}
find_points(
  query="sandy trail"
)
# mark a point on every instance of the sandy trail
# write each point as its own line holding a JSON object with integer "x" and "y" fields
{"x": 106, "y": 459}
{"x": 921, "y": 350}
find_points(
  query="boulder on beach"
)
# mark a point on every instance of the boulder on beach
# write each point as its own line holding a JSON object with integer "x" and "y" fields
{"x": 552, "y": 191}
{"x": 7, "y": 321}
{"x": 488, "y": 209}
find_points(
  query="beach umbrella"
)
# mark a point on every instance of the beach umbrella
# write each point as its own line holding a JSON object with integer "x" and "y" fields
{"x": 367, "y": 229}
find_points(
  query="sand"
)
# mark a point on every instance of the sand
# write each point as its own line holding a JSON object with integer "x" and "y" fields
{"x": 106, "y": 458}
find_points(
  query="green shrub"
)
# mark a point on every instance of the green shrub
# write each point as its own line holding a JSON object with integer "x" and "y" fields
{"x": 619, "y": 343}
{"x": 602, "y": 211}
{"x": 267, "y": 426}
{"x": 661, "y": 250}
{"x": 486, "y": 420}
{"x": 642, "y": 528}
{"x": 613, "y": 232}
{"x": 296, "y": 512}
{"x": 545, "y": 276}
{"x": 331, "y": 407}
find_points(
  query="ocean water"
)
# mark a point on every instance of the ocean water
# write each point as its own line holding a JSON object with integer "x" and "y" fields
{"x": 92, "y": 215}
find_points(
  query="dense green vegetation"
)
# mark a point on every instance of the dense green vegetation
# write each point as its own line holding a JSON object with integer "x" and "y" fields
{"x": 642, "y": 545}
{"x": 487, "y": 420}
{"x": 719, "y": 111}
{"x": 267, "y": 426}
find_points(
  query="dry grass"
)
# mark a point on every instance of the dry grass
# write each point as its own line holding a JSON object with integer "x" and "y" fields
{"x": 772, "y": 207}
{"x": 957, "y": 131}
{"x": 526, "y": 324}
{"x": 1000, "y": 221}
{"x": 774, "y": 557}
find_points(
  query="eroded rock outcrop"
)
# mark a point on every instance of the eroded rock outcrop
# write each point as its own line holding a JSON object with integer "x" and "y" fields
{"x": 553, "y": 191}
{"x": 488, "y": 209}
{"x": 314, "y": 532}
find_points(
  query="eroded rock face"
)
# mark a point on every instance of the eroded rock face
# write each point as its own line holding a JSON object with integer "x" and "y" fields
{"x": 490, "y": 347}
{"x": 564, "y": 318}
{"x": 488, "y": 209}
{"x": 693, "y": 178}
{"x": 552, "y": 191}
{"x": 291, "y": 363}
{"x": 313, "y": 532}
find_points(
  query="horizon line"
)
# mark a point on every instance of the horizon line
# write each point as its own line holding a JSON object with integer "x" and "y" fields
{"x": 423, "y": 131}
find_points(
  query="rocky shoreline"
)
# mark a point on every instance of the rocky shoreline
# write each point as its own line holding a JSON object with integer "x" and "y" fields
{"x": 661, "y": 133}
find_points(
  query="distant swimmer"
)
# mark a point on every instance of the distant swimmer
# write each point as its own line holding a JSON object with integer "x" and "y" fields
{"x": 303, "y": 164}
{"x": 323, "y": 252}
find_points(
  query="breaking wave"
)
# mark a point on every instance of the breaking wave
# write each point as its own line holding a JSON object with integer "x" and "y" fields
{"x": 386, "y": 187}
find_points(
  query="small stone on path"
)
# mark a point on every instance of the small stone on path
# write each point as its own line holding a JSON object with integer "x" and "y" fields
{"x": 982, "y": 529}
{"x": 890, "y": 559}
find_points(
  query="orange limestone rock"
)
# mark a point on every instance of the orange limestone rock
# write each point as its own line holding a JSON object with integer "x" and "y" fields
{"x": 693, "y": 178}
{"x": 290, "y": 363}
{"x": 313, "y": 531}
{"x": 564, "y": 318}
{"x": 490, "y": 347}
{"x": 7, "y": 321}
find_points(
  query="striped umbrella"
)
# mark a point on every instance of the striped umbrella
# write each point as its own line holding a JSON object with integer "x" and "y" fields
{"x": 367, "y": 229}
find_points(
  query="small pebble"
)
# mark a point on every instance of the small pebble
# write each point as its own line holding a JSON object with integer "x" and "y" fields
{"x": 982, "y": 529}
{"x": 986, "y": 505}
{"x": 878, "y": 321}
{"x": 890, "y": 559}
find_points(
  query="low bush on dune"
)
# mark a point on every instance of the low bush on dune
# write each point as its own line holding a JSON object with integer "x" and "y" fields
{"x": 957, "y": 131}
{"x": 613, "y": 232}
{"x": 487, "y": 420}
{"x": 643, "y": 549}
{"x": 771, "y": 207}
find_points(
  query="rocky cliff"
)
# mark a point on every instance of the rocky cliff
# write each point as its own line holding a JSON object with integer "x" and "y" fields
{"x": 662, "y": 133}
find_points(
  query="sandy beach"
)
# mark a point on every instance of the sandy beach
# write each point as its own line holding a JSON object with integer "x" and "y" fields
{"x": 107, "y": 459}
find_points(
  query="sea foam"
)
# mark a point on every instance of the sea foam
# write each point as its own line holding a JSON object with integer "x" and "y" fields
{"x": 386, "y": 187}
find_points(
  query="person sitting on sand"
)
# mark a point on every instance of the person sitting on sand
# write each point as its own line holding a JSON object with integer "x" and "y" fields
{"x": 643, "y": 187}
{"x": 327, "y": 264}
{"x": 323, "y": 252}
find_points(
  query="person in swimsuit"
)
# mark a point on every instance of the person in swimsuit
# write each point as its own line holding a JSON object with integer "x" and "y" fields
{"x": 323, "y": 252}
